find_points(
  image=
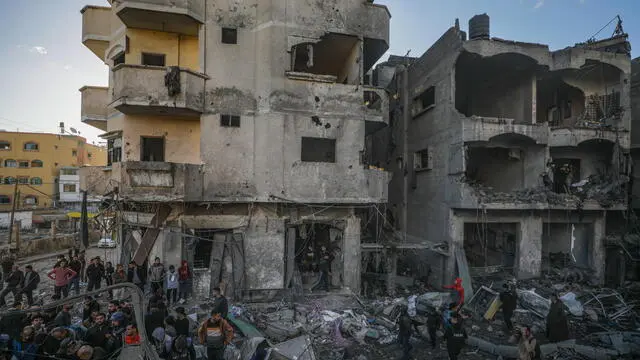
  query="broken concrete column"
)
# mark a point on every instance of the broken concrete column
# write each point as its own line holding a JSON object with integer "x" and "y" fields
{"x": 264, "y": 251}
{"x": 598, "y": 249}
{"x": 352, "y": 253}
{"x": 529, "y": 249}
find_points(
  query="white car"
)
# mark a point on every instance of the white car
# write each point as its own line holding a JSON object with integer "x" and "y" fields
{"x": 106, "y": 243}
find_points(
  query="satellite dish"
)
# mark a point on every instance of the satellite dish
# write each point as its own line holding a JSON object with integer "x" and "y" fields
{"x": 73, "y": 130}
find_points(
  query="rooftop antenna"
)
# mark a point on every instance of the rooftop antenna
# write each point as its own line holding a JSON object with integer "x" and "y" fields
{"x": 61, "y": 127}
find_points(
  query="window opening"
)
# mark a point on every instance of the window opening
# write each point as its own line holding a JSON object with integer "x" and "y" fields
{"x": 153, "y": 59}
{"x": 318, "y": 150}
{"x": 152, "y": 149}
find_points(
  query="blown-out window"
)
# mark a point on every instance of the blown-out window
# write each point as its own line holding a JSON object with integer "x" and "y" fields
{"x": 5, "y": 145}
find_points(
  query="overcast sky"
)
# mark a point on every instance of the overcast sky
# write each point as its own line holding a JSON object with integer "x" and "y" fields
{"x": 43, "y": 62}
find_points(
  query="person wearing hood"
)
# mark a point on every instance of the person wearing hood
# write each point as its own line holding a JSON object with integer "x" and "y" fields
{"x": 172, "y": 286}
{"x": 459, "y": 289}
{"x": 156, "y": 275}
{"x": 184, "y": 280}
{"x": 215, "y": 333}
{"x": 456, "y": 337}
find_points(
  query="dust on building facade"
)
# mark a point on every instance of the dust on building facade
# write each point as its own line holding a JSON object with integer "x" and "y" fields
{"x": 511, "y": 155}
{"x": 236, "y": 133}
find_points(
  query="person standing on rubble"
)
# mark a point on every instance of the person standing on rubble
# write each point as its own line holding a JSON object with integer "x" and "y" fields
{"x": 157, "y": 275}
{"x": 509, "y": 300}
{"x": 457, "y": 286}
{"x": 434, "y": 321}
{"x": 220, "y": 302}
{"x": 215, "y": 334}
{"x": 557, "y": 324}
{"x": 456, "y": 337}
{"x": 324, "y": 266}
{"x": 404, "y": 334}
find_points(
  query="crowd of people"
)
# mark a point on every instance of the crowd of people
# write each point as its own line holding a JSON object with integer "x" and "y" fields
{"x": 103, "y": 326}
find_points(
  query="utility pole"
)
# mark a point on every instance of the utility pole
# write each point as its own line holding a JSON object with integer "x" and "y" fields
{"x": 84, "y": 222}
{"x": 16, "y": 196}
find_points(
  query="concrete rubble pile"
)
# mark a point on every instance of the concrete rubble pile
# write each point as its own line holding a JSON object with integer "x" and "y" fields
{"x": 606, "y": 191}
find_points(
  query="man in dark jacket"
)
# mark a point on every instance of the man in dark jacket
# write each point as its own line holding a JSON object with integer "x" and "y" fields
{"x": 99, "y": 333}
{"x": 509, "y": 300}
{"x": 13, "y": 280}
{"x": 182, "y": 322}
{"x": 74, "y": 283}
{"x": 434, "y": 321}
{"x": 30, "y": 283}
{"x": 95, "y": 273}
{"x": 456, "y": 337}
{"x": 220, "y": 302}
{"x": 153, "y": 320}
{"x": 136, "y": 275}
{"x": 404, "y": 334}
{"x": 89, "y": 306}
{"x": 557, "y": 324}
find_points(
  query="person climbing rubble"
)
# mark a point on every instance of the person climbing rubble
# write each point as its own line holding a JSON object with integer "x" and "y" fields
{"x": 557, "y": 323}
{"x": 459, "y": 289}
{"x": 509, "y": 299}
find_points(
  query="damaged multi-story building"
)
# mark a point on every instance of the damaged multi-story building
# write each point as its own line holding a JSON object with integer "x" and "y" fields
{"x": 508, "y": 154}
{"x": 236, "y": 134}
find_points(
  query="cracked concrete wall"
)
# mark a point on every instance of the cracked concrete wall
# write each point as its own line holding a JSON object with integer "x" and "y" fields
{"x": 264, "y": 251}
{"x": 447, "y": 133}
{"x": 261, "y": 158}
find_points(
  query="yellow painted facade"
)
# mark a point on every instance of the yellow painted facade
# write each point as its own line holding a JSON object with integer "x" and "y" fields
{"x": 34, "y": 161}
{"x": 181, "y": 136}
{"x": 179, "y": 50}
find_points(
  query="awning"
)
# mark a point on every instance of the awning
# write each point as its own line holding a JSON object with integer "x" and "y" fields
{"x": 76, "y": 215}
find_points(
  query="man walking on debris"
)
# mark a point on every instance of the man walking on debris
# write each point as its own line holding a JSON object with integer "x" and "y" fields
{"x": 509, "y": 299}
{"x": 30, "y": 283}
{"x": 215, "y": 333}
{"x": 456, "y": 336}
{"x": 557, "y": 325}
{"x": 156, "y": 275}
{"x": 404, "y": 334}
{"x": 13, "y": 280}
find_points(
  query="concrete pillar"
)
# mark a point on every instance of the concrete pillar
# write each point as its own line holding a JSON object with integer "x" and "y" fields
{"x": 534, "y": 99}
{"x": 529, "y": 249}
{"x": 352, "y": 254}
{"x": 598, "y": 249}
{"x": 392, "y": 270}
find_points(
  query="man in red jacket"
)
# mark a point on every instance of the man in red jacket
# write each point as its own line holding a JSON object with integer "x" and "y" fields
{"x": 457, "y": 286}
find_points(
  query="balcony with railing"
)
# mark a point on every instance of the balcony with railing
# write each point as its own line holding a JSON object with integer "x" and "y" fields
{"x": 177, "y": 16}
{"x": 151, "y": 90}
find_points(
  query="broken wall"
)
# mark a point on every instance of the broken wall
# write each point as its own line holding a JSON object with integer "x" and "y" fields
{"x": 264, "y": 250}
